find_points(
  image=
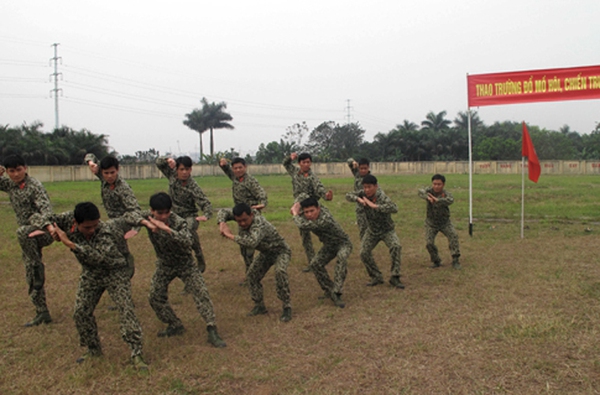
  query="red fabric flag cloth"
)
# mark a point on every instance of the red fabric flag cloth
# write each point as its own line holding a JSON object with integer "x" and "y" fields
{"x": 532, "y": 159}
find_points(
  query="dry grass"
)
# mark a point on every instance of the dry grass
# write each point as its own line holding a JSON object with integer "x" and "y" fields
{"x": 522, "y": 317}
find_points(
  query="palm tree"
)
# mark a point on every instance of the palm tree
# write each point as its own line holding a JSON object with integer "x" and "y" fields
{"x": 407, "y": 126}
{"x": 436, "y": 122}
{"x": 211, "y": 116}
{"x": 461, "y": 121}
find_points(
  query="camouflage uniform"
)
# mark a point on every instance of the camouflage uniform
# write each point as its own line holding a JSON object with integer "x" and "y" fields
{"x": 304, "y": 185}
{"x": 273, "y": 251}
{"x": 119, "y": 201}
{"x": 438, "y": 220}
{"x": 381, "y": 228}
{"x": 104, "y": 268}
{"x": 187, "y": 197}
{"x": 33, "y": 210}
{"x": 175, "y": 259}
{"x": 336, "y": 243}
{"x": 246, "y": 190}
{"x": 361, "y": 217}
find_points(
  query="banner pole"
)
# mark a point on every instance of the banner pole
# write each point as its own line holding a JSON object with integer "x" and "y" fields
{"x": 522, "y": 196}
{"x": 470, "y": 167}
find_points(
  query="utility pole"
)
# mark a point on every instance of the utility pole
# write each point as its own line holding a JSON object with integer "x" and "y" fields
{"x": 348, "y": 115}
{"x": 56, "y": 89}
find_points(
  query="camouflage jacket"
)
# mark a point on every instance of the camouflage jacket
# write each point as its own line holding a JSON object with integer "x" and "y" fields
{"x": 304, "y": 185}
{"x": 438, "y": 213}
{"x": 187, "y": 196}
{"x": 245, "y": 189}
{"x": 261, "y": 235}
{"x": 118, "y": 199}
{"x": 105, "y": 250}
{"x": 380, "y": 219}
{"x": 329, "y": 232}
{"x": 175, "y": 248}
{"x": 29, "y": 199}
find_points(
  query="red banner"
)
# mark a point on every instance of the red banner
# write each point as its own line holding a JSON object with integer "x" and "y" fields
{"x": 576, "y": 83}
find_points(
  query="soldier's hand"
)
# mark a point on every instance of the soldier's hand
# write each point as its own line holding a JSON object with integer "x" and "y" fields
{"x": 222, "y": 227}
{"x": 202, "y": 218}
{"x": 2, "y": 170}
{"x": 52, "y": 229}
{"x": 258, "y": 207}
{"x": 35, "y": 233}
{"x": 293, "y": 155}
{"x": 171, "y": 162}
{"x": 131, "y": 233}
{"x": 329, "y": 195}
{"x": 361, "y": 201}
{"x": 355, "y": 165}
{"x": 93, "y": 167}
{"x": 159, "y": 225}
{"x": 295, "y": 209}
{"x": 223, "y": 162}
{"x": 62, "y": 236}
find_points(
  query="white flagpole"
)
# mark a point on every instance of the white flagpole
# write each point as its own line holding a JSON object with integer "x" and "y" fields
{"x": 522, "y": 196}
{"x": 470, "y": 169}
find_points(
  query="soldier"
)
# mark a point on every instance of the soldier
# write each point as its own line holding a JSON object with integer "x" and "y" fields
{"x": 438, "y": 220}
{"x": 117, "y": 196}
{"x": 359, "y": 170}
{"x": 99, "y": 248}
{"x": 187, "y": 197}
{"x": 33, "y": 210}
{"x": 245, "y": 189}
{"x": 378, "y": 209}
{"x": 336, "y": 243}
{"x": 305, "y": 184}
{"x": 172, "y": 243}
{"x": 257, "y": 233}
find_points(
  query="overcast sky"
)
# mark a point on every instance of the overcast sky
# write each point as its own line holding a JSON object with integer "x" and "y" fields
{"x": 132, "y": 69}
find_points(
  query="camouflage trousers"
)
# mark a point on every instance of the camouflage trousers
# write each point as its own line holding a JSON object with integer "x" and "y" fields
{"x": 248, "y": 255}
{"x": 307, "y": 244}
{"x": 323, "y": 257}
{"x": 259, "y": 268}
{"x": 194, "y": 284}
{"x": 450, "y": 233}
{"x": 31, "y": 248}
{"x": 369, "y": 242}
{"x": 92, "y": 285}
{"x": 361, "y": 220}
{"x": 196, "y": 247}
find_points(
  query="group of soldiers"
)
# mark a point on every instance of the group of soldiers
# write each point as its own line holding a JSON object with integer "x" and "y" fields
{"x": 172, "y": 223}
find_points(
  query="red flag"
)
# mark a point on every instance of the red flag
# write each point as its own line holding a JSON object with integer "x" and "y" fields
{"x": 532, "y": 159}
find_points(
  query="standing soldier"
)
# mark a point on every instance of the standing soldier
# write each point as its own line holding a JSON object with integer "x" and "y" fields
{"x": 98, "y": 246}
{"x": 257, "y": 233}
{"x": 117, "y": 196}
{"x": 359, "y": 170}
{"x": 305, "y": 184}
{"x": 31, "y": 203}
{"x": 172, "y": 243}
{"x": 336, "y": 243}
{"x": 438, "y": 220}
{"x": 379, "y": 209}
{"x": 187, "y": 198}
{"x": 245, "y": 189}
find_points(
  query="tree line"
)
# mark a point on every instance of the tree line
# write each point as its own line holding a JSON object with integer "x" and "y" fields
{"x": 436, "y": 138}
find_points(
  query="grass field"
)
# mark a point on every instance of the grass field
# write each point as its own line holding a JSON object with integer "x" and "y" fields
{"x": 522, "y": 317}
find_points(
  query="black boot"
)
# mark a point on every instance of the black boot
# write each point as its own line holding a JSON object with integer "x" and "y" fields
{"x": 40, "y": 318}
{"x": 214, "y": 338}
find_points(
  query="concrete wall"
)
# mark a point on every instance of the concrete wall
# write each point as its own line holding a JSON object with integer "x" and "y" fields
{"x": 132, "y": 172}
